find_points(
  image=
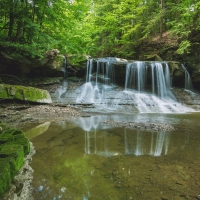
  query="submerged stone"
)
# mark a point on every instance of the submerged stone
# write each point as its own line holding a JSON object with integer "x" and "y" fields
{"x": 24, "y": 93}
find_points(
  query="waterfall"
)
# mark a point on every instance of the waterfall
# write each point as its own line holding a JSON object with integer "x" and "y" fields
{"x": 147, "y": 87}
{"x": 99, "y": 80}
{"x": 188, "y": 81}
{"x": 65, "y": 71}
{"x": 138, "y": 72}
{"x": 61, "y": 90}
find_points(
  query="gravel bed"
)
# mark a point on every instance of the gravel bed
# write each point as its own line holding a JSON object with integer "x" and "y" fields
{"x": 18, "y": 115}
{"x": 141, "y": 126}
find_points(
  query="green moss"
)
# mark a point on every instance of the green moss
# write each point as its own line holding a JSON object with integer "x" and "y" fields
{"x": 4, "y": 138}
{"x": 16, "y": 136}
{"x": 59, "y": 59}
{"x": 13, "y": 147}
{"x": 14, "y": 150}
{"x": 5, "y": 175}
{"x": 24, "y": 93}
{"x": 12, "y": 131}
{"x": 3, "y": 92}
{"x": 21, "y": 139}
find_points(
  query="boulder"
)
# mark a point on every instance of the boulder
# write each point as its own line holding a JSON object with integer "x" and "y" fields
{"x": 76, "y": 65}
{"x": 24, "y": 93}
{"x": 153, "y": 57}
{"x": 49, "y": 67}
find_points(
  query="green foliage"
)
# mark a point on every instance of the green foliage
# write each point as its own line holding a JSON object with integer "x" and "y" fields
{"x": 184, "y": 47}
{"x": 99, "y": 28}
{"x": 33, "y": 27}
{"x": 117, "y": 27}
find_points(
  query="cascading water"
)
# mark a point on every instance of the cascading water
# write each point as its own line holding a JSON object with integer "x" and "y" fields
{"x": 188, "y": 81}
{"x": 138, "y": 72}
{"x": 61, "y": 90}
{"x": 138, "y": 93}
{"x": 147, "y": 88}
{"x": 99, "y": 80}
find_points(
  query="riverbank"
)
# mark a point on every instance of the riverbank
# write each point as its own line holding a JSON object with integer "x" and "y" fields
{"x": 18, "y": 115}
{"x": 21, "y": 186}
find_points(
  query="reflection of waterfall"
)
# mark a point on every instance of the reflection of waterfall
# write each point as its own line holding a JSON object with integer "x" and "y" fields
{"x": 134, "y": 144}
{"x": 90, "y": 125}
{"x": 138, "y": 144}
{"x": 97, "y": 139}
{"x": 188, "y": 81}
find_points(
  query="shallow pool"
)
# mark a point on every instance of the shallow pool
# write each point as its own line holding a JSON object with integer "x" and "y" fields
{"x": 85, "y": 159}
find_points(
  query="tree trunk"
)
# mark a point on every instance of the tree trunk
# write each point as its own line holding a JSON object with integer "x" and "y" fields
{"x": 161, "y": 18}
{"x": 11, "y": 23}
{"x": 19, "y": 31}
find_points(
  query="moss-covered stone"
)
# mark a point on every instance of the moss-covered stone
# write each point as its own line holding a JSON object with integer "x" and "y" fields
{"x": 24, "y": 142}
{"x": 13, "y": 150}
{"x": 13, "y": 147}
{"x": 4, "y": 138}
{"x": 5, "y": 175}
{"x": 153, "y": 57}
{"x": 24, "y": 93}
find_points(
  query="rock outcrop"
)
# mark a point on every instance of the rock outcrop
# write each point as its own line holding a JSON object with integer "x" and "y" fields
{"x": 51, "y": 65}
{"x": 19, "y": 92}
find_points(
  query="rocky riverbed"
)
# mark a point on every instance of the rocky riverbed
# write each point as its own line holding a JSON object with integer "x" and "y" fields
{"x": 18, "y": 115}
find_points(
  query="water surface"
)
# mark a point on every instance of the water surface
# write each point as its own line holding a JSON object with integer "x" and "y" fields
{"x": 85, "y": 159}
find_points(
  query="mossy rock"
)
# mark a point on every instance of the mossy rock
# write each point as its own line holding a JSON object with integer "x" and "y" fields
{"x": 6, "y": 176}
{"x": 13, "y": 150}
{"x": 16, "y": 136}
{"x": 4, "y": 138}
{"x": 13, "y": 147}
{"x": 20, "y": 139}
{"x": 153, "y": 57}
{"x": 176, "y": 69}
{"x": 24, "y": 93}
{"x": 12, "y": 131}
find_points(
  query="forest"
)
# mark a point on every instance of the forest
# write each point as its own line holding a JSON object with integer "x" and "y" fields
{"x": 99, "y": 99}
{"x": 95, "y": 27}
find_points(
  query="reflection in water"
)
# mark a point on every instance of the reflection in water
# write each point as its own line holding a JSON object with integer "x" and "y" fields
{"x": 139, "y": 145}
{"x": 30, "y": 134}
{"x": 116, "y": 163}
{"x": 134, "y": 144}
